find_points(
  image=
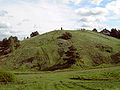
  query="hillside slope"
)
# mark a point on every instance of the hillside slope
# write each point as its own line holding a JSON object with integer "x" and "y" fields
{"x": 46, "y": 51}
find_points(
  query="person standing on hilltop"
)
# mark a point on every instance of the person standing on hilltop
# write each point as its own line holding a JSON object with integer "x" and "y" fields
{"x": 61, "y": 28}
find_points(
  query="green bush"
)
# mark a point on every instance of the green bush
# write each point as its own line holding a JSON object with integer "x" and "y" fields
{"x": 112, "y": 74}
{"x": 6, "y": 76}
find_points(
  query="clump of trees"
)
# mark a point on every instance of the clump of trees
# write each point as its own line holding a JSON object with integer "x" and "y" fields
{"x": 94, "y": 30}
{"x": 83, "y": 29}
{"x": 34, "y": 34}
{"x": 9, "y": 45}
{"x": 105, "y": 32}
{"x": 113, "y": 32}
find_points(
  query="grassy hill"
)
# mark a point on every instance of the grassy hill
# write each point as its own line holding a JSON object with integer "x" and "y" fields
{"x": 46, "y": 51}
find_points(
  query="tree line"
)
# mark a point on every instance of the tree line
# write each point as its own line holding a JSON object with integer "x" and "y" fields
{"x": 113, "y": 32}
{"x": 8, "y": 45}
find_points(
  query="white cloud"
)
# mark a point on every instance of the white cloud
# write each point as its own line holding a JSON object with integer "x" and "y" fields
{"x": 5, "y": 25}
{"x": 97, "y": 2}
{"x": 74, "y": 1}
{"x": 92, "y": 17}
{"x": 97, "y": 11}
{"x": 3, "y": 13}
{"x": 46, "y": 16}
{"x": 114, "y": 10}
{"x": 114, "y": 7}
{"x": 92, "y": 25}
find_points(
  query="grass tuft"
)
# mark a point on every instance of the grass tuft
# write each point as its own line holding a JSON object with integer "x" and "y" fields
{"x": 6, "y": 76}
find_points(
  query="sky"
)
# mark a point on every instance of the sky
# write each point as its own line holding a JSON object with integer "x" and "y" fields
{"x": 21, "y": 17}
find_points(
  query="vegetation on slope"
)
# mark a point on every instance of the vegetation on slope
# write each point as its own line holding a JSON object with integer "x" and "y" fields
{"x": 9, "y": 45}
{"x": 48, "y": 50}
{"x": 6, "y": 76}
{"x": 93, "y": 79}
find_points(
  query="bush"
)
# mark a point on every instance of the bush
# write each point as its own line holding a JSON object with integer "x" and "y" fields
{"x": 34, "y": 34}
{"x": 9, "y": 45}
{"x": 114, "y": 33}
{"x": 115, "y": 58}
{"x": 94, "y": 30}
{"x": 6, "y": 76}
{"x": 112, "y": 74}
{"x": 65, "y": 36}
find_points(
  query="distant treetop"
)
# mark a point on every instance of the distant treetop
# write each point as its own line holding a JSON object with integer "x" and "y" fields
{"x": 34, "y": 34}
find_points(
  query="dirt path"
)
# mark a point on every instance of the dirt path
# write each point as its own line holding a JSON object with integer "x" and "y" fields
{"x": 71, "y": 71}
{"x": 92, "y": 79}
{"x": 26, "y": 73}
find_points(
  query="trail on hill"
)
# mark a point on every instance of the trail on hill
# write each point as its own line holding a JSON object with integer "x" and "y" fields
{"x": 60, "y": 72}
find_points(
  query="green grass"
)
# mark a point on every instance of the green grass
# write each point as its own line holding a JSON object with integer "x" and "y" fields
{"x": 92, "y": 72}
{"x": 6, "y": 77}
{"x": 46, "y": 47}
{"x": 60, "y": 80}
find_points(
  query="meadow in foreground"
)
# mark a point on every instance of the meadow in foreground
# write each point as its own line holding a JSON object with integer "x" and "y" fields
{"x": 93, "y": 79}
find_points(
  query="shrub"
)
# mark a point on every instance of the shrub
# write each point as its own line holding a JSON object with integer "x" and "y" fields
{"x": 112, "y": 74}
{"x": 6, "y": 76}
{"x": 9, "y": 45}
{"x": 114, "y": 33}
{"x": 94, "y": 30}
{"x": 105, "y": 32}
{"x": 34, "y": 34}
{"x": 65, "y": 36}
{"x": 115, "y": 58}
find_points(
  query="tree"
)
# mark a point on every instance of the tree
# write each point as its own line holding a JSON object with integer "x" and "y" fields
{"x": 5, "y": 42}
{"x": 105, "y": 32}
{"x": 119, "y": 34}
{"x": 34, "y": 34}
{"x": 83, "y": 29}
{"x": 94, "y": 30}
{"x": 9, "y": 45}
{"x": 114, "y": 33}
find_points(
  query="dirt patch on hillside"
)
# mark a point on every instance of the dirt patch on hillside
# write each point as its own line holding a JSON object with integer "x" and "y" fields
{"x": 91, "y": 79}
{"x": 28, "y": 60}
{"x": 1, "y": 63}
{"x": 26, "y": 73}
{"x": 115, "y": 58}
{"x": 104, "y": 48}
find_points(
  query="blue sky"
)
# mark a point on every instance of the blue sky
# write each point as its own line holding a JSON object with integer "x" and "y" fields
{"x": 21, "y": 17}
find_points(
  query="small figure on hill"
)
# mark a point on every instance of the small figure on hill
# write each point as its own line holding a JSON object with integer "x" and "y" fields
{"x": 83, "y": 29}
{"x": 61, "y": 28}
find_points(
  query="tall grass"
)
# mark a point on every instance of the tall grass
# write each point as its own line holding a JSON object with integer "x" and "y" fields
{"x": 6, "y": 76}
